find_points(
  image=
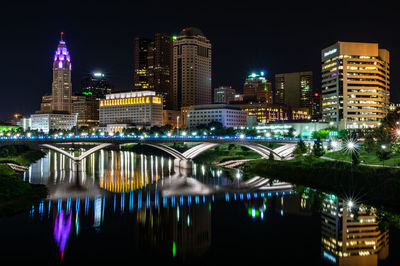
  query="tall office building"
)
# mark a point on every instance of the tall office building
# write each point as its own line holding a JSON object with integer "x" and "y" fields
{"x": 86, "y": 108}
{"x": 294, "y": 89}
{"x": 351, "y": 236}
{"x": 143, "y": 64}
{"x": 316, "y": 108}
{"x": 191, "y": 68}
{"x": 96, "y": 84}
{"x": 153, "y": 66}
{"x": 355, "y": 84}
{"x": 257, "y": 88}
{"x": 62, "y": 86}
{"x": 163, "y": 68}
{"x": 224, "y": 94}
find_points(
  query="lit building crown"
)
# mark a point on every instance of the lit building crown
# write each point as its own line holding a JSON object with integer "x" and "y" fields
{"x": 61, "y": 55}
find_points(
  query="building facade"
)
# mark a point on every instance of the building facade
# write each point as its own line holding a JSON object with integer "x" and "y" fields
{"x": 153, "y": 66}
{"x": 191, "y": 68}
{"x": 86, "y": 107}
{"x": 266, "y": 113}
{"x": 355, "y": 84}
{"x": 294, "y": 89}
{"x": 227, "y": 115}
{"x": 224, "y": 94}
{"x": 137, "y": 108}
{"x": 172, "y": 118}
{"x": 61, "y": 85}
{"x": 53, "y": 121}
{"x": 257, "y": 88}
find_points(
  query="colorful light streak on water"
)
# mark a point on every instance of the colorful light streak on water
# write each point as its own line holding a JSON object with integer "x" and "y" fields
{"x": 62, "y": 228}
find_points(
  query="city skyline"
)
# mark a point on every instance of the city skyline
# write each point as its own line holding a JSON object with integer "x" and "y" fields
{"x": 294, "y": 44}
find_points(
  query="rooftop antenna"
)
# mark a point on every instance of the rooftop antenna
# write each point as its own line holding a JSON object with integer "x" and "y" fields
{"x": 62, "y": 33}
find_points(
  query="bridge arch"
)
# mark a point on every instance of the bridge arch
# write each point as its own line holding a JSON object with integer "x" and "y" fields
{"x": 82, "y": 156}
{"x": 260, "y": 149}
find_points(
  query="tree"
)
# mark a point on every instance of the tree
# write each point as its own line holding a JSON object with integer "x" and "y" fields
{"x": 302, "y": 146}
{"x": 369, "y": 143}
{"x": 232, "y": 149}
{"x": 271, "y": 156}
{"x": 383, "y": 152}
{"x": 318, "y": 149}
{"x": 355, "y": 157}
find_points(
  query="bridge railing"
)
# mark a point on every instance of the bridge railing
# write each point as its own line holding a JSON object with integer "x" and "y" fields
{"x": 155, "y": 137}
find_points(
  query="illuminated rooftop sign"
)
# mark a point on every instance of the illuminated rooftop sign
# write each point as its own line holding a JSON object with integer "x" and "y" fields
{"x": 332, "y": 51}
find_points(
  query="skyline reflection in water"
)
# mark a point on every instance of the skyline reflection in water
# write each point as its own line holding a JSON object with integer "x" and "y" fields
{"x": 118, "y": 195}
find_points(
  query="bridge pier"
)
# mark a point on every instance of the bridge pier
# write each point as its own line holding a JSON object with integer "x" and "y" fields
{"x": 184, "y": 164}
{"x": 76, "y": 166}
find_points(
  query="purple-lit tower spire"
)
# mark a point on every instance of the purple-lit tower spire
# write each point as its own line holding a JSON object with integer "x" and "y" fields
{"x": 62, "y": 86}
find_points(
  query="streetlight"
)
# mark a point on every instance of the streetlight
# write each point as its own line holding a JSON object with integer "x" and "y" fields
{"x": 383, "y": 147}
{"x": 177, "y": 125}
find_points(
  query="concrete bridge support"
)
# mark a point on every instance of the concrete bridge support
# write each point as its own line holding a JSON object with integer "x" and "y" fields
{"x": 76, "y": 166}
{"x": 184, "y": 166}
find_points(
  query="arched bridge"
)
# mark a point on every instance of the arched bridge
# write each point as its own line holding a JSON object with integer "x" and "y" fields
{"x": 182, "y": 159}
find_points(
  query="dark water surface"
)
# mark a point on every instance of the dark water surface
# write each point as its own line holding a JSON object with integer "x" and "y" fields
{"x": 115, "y": 213}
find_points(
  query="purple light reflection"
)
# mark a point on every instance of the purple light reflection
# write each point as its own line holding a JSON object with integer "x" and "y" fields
{"x": 62, "y": 228}
{"x": 60, "y": 64}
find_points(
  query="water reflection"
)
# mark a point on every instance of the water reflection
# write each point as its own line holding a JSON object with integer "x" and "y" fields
{"x": 350, "y": 234}
{"x": 62, "y": 228}
{"x": 179, "y": 227}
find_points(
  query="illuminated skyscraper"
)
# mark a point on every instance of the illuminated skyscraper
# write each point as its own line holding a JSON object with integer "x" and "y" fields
{"x": 143, "y": 63}
{"x": 153, "y": 66}
{"x": 257, "y": 88}
{"x": 192, "y": 68}
{"x": 294, "y": 89}
{"x": 355, "y": 84}
{"x": 62, "y": 86}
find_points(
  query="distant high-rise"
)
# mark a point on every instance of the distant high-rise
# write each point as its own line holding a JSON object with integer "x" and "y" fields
{"x": 191, "y": 68}
{"x": 224, "y": 94}
{"x": 96, "y": 84}
{"x": 257, "y": 88}
{"x": 62, "y": 86}
{"x": 143, "y": 63}
{"x": 355, "y": 84}
{"x": 153, "y": 66}
{"x": 294, "y": 89}
{"x": 316, "y": 109}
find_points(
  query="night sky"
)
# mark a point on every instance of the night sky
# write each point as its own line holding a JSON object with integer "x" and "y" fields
{"x": 276, "y": 37}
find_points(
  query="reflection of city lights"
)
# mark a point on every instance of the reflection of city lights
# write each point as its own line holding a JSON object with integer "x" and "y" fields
{"x": 62, "y": 229}
{"x": 173, "y": 249}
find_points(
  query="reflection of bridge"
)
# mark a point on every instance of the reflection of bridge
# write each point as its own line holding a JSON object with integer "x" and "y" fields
{"x": 182, "y": 160}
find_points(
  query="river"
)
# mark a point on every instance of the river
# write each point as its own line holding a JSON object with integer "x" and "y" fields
{"x": 127, "y": 208}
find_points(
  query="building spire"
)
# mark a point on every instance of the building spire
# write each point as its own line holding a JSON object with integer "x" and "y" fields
{"x": 62, "y": 33}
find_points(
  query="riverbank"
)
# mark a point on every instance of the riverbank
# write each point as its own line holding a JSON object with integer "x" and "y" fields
{"x": 379, "y": 187}
{"x": 17, "y": 195}
{"x": 368, "y": 158}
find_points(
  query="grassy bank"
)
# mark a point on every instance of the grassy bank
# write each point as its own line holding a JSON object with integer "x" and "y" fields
{"x": 24, "y": 158}
{"x": 376, "y": 186}
{"x": 15, "y": 194}
{"x": 365, "y": 157}
{"x": 224, "y": 153}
